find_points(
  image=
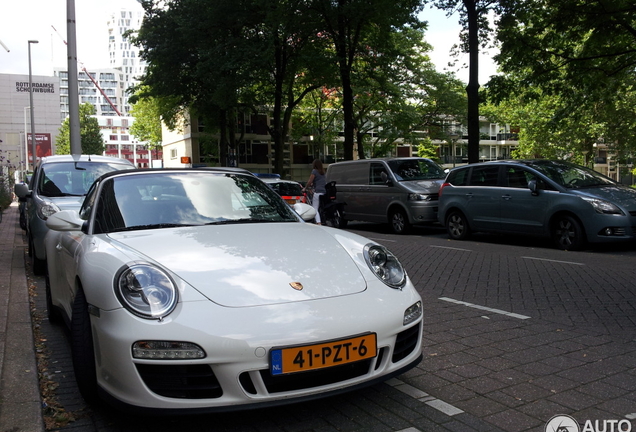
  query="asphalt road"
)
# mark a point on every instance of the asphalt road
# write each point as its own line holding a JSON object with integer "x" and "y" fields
{"x": 515, "y": 333}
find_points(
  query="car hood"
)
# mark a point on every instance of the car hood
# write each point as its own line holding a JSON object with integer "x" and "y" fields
{"x": 423, "y": 186}
{"x": 67, "y": 202}
{"x": 252, "y": 264}
{"x": 622, "y": 195}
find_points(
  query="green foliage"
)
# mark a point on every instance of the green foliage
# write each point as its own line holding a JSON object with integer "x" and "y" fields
{"x": 427, "y": 149}
{"x": 6, "y": 192}
{"x": 147, "y": 125}
{"x": 90, "y": 135}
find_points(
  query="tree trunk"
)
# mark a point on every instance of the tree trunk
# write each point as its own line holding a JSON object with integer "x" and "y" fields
{"x": 472, "y": 90}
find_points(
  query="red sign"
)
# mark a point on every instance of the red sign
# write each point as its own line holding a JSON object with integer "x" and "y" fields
{"x": 42, "y": 145}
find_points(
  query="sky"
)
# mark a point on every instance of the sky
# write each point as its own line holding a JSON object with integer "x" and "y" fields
{"x": 24, "y": 20}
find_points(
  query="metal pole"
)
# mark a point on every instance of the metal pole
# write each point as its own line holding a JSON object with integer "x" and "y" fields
{"x": 33, "y": 144}
{"x": 73, "y": 87}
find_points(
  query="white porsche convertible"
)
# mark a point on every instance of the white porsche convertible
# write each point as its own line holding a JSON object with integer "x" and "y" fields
{"x": 189, "y": 290}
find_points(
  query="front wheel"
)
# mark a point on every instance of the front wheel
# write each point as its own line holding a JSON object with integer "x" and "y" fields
{"x": 567, "y": 233}
{"x": 399, "y": 222}
{"x": 457, "y": 226}
{"x": 82, "y": 350}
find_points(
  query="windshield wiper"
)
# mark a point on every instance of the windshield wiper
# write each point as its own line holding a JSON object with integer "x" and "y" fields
{"x": 150, "y": 226}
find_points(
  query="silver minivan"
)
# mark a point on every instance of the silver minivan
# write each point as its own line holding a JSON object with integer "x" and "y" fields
{"x": 570, "y": 203}
{"x": 399, "y": 191}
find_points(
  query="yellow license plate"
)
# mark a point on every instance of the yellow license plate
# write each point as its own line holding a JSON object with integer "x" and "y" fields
{"x": 327, "y": 354}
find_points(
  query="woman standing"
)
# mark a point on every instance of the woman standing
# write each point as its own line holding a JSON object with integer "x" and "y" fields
{"x": 317, "y": 179}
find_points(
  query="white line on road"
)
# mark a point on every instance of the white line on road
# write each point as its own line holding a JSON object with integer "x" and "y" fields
{"x": 451, "y": 248}
{"x": 497, "y": 311}
{"x": 421, "y": 396}
{"x": 554, "y": 261}
{"x": 383, "y": 239}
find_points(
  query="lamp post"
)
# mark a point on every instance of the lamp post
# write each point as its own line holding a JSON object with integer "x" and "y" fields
{"x": 33, "y": 147}
{"x": 454, "y": 136}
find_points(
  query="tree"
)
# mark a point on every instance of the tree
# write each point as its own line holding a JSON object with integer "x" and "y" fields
{"x": 476, "y": 31}
{"x": 360, "y": 28}
{"x": 147, "y": 125}
{"x": 576, "y": 57}
{"x": 90, "y": 135}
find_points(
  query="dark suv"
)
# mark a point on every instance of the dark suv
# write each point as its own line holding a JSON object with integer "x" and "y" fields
{"x": 571, "y": 204}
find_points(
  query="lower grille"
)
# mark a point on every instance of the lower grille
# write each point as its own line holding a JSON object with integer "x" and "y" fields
{"x": 405, "y": 343}
{"x": 317, "y": 378}
{"x": 181, "y": 381}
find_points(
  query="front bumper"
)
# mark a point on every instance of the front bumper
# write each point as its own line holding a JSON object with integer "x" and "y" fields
{"x": 235, "y": 373}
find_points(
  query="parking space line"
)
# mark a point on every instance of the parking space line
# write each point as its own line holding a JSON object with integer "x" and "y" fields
{"x": 551, "y": 260}
{"x": 451, "y": 248}
{"x": 475, "y": 306}
{"x": 424, "y": 397}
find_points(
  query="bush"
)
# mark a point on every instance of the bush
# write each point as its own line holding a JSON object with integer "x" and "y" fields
{"x": 6, "y": 194}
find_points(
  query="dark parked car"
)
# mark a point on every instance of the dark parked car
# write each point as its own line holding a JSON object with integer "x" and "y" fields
{"x": 571, "y": 204}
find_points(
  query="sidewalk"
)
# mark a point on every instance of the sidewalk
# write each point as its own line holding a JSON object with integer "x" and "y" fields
{"x": 20, "y": 404}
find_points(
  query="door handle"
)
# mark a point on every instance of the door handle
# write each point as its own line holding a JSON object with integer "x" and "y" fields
{"x": 506, "y": 197}
{"x": 58, "y": 246}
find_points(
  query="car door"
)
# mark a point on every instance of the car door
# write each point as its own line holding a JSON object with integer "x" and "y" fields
{"x": 521, "y": 210}
{"x": 378, "y": 194}
{"x": 483, "y": 197}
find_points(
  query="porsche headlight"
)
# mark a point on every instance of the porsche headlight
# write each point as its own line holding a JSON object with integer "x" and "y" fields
{"x": 385, "y": 265}
{"x": 146, "y": 291}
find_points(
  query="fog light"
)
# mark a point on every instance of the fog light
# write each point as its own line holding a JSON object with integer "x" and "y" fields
{"x": 608, "y": 231}
{"x": 167, "y": 350}
{"x": 412, "y": 313}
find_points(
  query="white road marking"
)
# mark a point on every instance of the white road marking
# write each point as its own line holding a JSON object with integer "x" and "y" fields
{"x": 424, "y": 397}
{"x": 451, "y": 248}
{"x": 497, "y": 311}
{"x": 382, "y": 239}
{"x": 554, "y": 261}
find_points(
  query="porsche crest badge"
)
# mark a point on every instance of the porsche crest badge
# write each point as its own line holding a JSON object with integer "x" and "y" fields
{"x": 296, "y": 285}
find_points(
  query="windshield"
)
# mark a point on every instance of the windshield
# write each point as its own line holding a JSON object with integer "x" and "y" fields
{"x": 170, "y": 199}
{"x": 72, "y": 178}
{"x": 570, "y": 175}
{"x": 416, "y": 169}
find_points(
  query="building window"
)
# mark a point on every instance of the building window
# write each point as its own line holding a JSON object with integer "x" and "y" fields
{"x": 173, "y": 153}
{"x": 124, "y": 122}
{"x": 125, "y": 138}
{"x": 113, "y": 137}
{"x": 109, "y": 122}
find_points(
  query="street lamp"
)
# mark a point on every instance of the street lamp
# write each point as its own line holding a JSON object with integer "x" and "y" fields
{"x": 454, "y": 136}
{"x": 31, "y": 101}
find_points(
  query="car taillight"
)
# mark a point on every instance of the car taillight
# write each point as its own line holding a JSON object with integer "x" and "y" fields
{"x": 442, "y": 188}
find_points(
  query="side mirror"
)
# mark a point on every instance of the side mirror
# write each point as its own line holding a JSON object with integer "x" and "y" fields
{"x": 385, "y": 178}
{"x": 534, "y": 188}
{"x": 305, "y": 211}
{"x": 65, "y": 220}
{"x": 22, "y": 190}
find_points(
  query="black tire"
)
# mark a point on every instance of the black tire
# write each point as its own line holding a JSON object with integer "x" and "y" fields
{"x": 38, "y": 266}
{"x": 337, "y": 220}
{"x": 568, "y": 233}
{"x": 82, "y": 349}
{"x": 457, "y": 225}
{"x": 399, "y": 222}
{"x": 53, "y": 313}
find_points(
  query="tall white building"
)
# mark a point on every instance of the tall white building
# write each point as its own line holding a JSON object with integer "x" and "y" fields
{"x": 123, "y": 56}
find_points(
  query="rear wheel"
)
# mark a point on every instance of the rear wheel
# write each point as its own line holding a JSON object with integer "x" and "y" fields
{"x": 567, "y": 233}
{"x": 457, "y": 226}
{"x": 82, "y": 349}
{"x": 399, "y": 221}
